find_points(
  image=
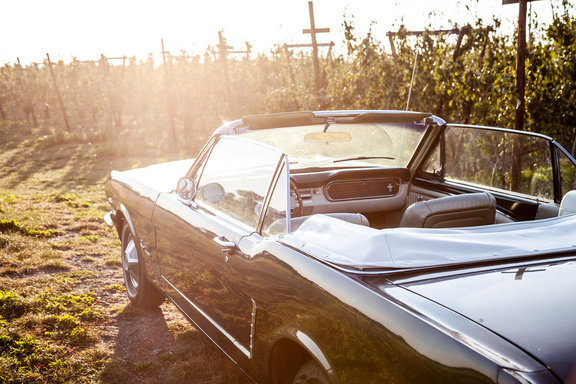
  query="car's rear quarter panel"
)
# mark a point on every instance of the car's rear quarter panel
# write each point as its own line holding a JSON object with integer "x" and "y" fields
{"x": 365, "y": 335}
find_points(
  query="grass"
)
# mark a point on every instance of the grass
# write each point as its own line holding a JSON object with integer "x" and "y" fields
{"x": 47, "y": 335}
{"x": 64, "y": 315}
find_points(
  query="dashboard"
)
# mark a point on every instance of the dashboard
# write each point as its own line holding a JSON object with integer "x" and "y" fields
{"x": 351, "y": 190}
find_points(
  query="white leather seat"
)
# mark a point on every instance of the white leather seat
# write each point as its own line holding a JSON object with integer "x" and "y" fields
{"x": 568, "y": 204}
{"x": 279, "y": 225}
{"x": 467, "y": 210}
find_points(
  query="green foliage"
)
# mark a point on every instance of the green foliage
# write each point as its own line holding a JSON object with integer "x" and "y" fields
{"x": 40, "y": 329}
{"x": 471, "y": 81}
{"x": 115, "y": 287}
{"x": 89, "y": 239}
{"x": 56, "y": 304}
{"x": 11, "y": 305}
{"x": 67, "y": 328}
{"x": 69, "y": 199}
{"x": 14, "y": 226}
{"x": 551, "y": 73}
{"x": 9, "y": 198}
{"x": 26, "y": 359}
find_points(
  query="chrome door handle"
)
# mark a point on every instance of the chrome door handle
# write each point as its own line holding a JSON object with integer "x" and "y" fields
{"x": 227, "y": 246}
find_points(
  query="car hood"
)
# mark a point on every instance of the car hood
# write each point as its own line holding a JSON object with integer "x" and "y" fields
{"x": 160, "y": 177}
{"x": 533, "y": 307}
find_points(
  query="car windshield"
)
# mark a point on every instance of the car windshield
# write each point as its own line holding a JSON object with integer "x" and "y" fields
{"x": 344, "y": 145}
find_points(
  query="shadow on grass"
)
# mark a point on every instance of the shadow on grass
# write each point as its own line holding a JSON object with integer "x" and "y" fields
{"x": 45, "y": 159}
{"x": 159, "y": 346}
{"x": 51, "y": 164}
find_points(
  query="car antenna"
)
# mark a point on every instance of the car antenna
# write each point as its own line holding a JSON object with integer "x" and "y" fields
{"x": 412, "y": 81}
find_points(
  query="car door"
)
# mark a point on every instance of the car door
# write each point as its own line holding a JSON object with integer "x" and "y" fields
{"x": 527, "y": 173}
{"x": 199, "y": 244}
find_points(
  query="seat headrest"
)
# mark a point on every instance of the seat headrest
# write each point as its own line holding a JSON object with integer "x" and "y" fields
{"x": 279, "y": 225}
{"x": 568, "y": 204}
{"x": 466, "y": 210}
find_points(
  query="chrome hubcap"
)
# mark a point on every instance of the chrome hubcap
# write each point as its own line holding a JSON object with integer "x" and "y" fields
{"x": 130, "y": 265}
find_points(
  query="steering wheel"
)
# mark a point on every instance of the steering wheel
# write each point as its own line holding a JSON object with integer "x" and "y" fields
{"x": 297, "y": 213}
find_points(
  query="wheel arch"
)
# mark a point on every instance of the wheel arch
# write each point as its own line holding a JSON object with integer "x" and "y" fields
{"x": 145, "y": 294}
{"x": 292, "y": 351}
{"x": 122, "y": 215}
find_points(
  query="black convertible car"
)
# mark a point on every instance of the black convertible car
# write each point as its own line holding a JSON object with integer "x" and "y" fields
{"x": 363, "y": 247}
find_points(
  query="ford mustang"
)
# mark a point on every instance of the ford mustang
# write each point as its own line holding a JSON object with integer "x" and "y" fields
{"x": 362, "y": 247}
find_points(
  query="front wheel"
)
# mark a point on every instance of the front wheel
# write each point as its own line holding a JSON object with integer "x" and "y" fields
{"x": 310, "y": 373}
{"x": 140, "y": 290}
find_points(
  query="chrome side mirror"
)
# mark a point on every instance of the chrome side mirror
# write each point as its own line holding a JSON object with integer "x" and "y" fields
{"x": 186, "y": 188}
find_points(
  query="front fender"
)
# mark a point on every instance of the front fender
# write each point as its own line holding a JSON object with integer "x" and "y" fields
{"x": 116, "y": 219}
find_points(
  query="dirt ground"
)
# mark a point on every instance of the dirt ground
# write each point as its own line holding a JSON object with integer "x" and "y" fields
{"x": 60, "y": 187}
{"x": 157, "y": 346}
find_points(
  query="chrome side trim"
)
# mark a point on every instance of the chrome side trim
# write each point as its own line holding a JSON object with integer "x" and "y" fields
{"x": 253, "y": 327}
{"x": 243, "y": 349}
{"x": 198, "y": 327}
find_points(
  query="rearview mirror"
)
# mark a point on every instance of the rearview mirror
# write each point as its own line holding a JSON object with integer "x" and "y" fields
{"x": 327, "y": 137}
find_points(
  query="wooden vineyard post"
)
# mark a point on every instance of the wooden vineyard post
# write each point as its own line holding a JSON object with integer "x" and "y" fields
{"x": 223, "y": 51}
{"x": 520, "y": 110}
{"x": 520, "y": 62}
{"x": 30, "y": 106}
{"x": 289, "y": 62}
{"x": 248, "y": 51}
{"x": 169, "y": 95}
{"x": 486, "y": 38}
{"x": 329, "y": 54}
{"x": 521, "y": 67}
{"x": 313, "y": 31}
{"x": 318, "y": 79}
{"x": 115, "y": 104}
{"x": 62, "y": 108}
{"x": 2, "y": 113}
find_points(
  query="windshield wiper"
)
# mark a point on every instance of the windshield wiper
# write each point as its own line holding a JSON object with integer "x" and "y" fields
{"x": 363, "y": 158}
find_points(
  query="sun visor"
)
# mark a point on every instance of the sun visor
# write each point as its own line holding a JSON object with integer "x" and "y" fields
{"x": 281, "y": 120}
